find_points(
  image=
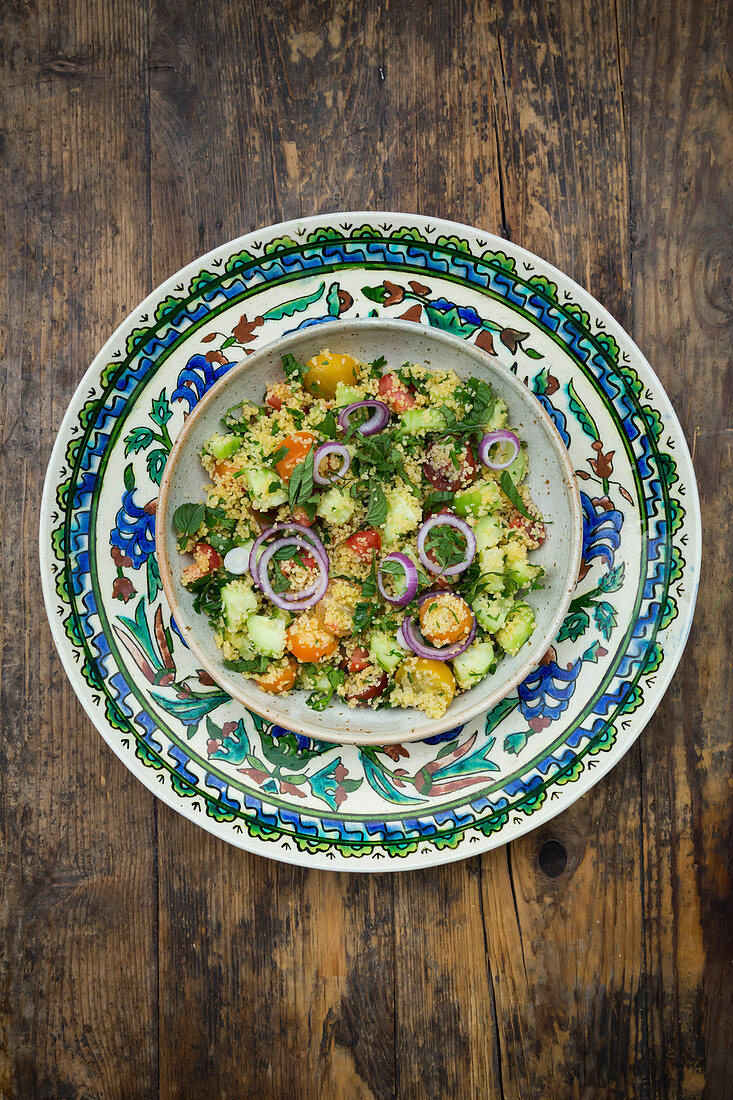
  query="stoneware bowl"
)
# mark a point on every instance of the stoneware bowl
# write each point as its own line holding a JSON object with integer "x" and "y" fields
{"x": 551, "y": 481}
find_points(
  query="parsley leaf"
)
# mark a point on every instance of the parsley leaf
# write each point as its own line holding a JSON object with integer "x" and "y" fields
{"x": 509, "y": 489}
{"x": 364, "y": 616}
{"x": 476, "y": 397}
{"x": 319, "y": 700}
{"x": 294, "y": 370}
{"x": 447, "y": 545}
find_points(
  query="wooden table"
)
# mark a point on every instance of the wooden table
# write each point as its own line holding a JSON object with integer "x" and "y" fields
{"x": 139, "y": 956}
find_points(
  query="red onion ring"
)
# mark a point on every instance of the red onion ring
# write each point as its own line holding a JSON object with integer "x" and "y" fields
{"x": 446, "y": 519}
{"x": 299, "y": 602}
{"x": 299, "y": 527}
{"x": 409, "y": 570}
{"x": 499, "y": 436}
{"x": 428, "y": 652}
{"x": 322, "y": 452}
{"x": 376, "y": 422}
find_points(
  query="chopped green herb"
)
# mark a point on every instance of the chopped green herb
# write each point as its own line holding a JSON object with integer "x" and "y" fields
{"x": 509, "y": 488}
{"x": 294, "y": 370}
{"x": 377, "y": 507}
{"x": 187, "y": 519}
{"x": 319, "y": 700}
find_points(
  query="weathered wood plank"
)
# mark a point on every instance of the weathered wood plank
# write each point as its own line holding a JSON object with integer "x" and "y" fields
{"x": 78, "y": 904}
{"x": 274, "y": 981}
{"x": 682, "y": 207}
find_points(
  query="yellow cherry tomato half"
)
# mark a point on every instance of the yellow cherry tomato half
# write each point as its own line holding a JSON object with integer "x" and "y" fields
{"x": 427, "y": 677}
{"x": 296, "y": 446}
{"x": 445, "y": 619}
{"x": 280, "y": 678}
{"x": 326, "y": 370}
{"x": 308, "y": 640}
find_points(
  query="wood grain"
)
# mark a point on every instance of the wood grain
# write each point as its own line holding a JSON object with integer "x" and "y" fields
{"x": 141, "y": 957}
{"x": 78, "y": 975}
{"x": 682, "y": 153}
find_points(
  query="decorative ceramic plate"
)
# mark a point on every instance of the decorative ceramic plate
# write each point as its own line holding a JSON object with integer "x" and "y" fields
{"x": 472, "y": 788}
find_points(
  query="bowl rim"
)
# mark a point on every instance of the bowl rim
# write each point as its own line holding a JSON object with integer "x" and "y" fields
{"x": 247, "y": 697}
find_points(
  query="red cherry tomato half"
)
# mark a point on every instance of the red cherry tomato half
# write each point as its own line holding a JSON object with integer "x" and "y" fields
{"x": 213, "y": 556}
{"x": 534, "y": 529}
{"x": 358, "y": 660}
{"x": 443, "y": 474}
{"x": 364, "y": 543}
{"x": 206, "y": 560}
{"x": 278, "y": 395}
{"x": 365, "y": 694}
{"x": 396, "y": 395}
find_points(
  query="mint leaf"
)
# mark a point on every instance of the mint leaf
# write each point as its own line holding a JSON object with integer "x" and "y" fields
{"x": 377, "y": 509}
{"x": 187, "y": 519}
{"x": 300, "y": 486}
{"x": 509, "y": 489}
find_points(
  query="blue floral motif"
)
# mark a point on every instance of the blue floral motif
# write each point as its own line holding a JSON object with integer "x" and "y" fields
{"x": 547, "y": 691}
{"x": 196, "y": 378}
{"x": 447, "y": 735}
{"x": 466, "y": 313}
{"x": 601, "y": 531}
{"x": 134, "y": 533}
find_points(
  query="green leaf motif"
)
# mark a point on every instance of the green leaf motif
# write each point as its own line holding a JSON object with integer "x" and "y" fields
{"x": 201, "y": 280}
{"x": 498, "y": 713}
{"x": 613, "y": 579}
{"x": 532, "y": 354}
{"x": 605, "y": 618}
{"x": 575, "y": 624}
{"x": 156, "y": 461}
{"x": 169, "y": 309}
{"x": 129, "y": 477}
{"x": 457, "y": 243}
{"x": 279, "y": 244}
{"x": 515, "y": 742}
{"x": 380, "y": 782}
{"x": 295, "y": 305}
{"x": 545, "y": 286}
{"x": 586, "y": 421}
{"x": 238, "y": 261}
{"x": 153, "y": 580}
{"x": 449, "y": 321}
{"x": 408, "y": 233}
{"x": 610, "y": 344}
{"x": 374, "y": 293}
{"x": 591, "y": 653}
{"x": 134, "y": 342}
{"x": 161, "y": 410}
{"x": 324, "y": 233}
{"x": 138, "y": 440}
{"x": 333, "y": 301}
{"x": 499, "y": 259}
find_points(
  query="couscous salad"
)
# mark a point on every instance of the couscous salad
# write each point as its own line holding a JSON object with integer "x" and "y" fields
{"x": 365, "y": 536}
